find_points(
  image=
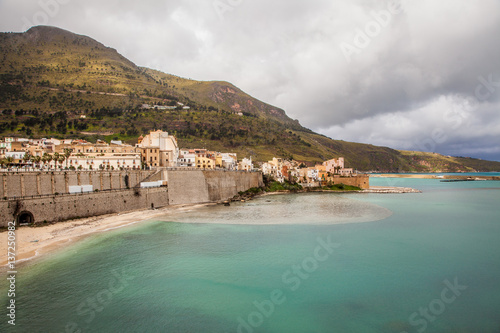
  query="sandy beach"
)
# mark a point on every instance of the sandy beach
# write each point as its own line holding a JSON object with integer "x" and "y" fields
{"x": 33, "y": 242}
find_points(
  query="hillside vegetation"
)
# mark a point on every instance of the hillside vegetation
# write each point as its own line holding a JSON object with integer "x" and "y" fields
{"x": 54, "y": 83}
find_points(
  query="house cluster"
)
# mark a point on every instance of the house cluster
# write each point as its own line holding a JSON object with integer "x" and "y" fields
{"x": 156, "y": 149}
{"x": 205, "y": 159}
{"x": 282, "y": 170}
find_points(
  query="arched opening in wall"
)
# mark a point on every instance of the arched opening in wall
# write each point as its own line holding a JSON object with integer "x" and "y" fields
{"x": 25, "y": 218}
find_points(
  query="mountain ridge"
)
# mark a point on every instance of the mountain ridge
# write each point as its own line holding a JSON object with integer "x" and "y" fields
{"x": 57, "y": 83}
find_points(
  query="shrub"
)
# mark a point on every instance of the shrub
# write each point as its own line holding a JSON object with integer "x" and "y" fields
{"x": 341, "y": 187}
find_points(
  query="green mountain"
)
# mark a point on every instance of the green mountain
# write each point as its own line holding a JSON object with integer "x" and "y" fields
{"x": 54, "y": 83}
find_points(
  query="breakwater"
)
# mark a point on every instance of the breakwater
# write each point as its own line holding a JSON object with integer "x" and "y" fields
{"x": 428, "y": 176}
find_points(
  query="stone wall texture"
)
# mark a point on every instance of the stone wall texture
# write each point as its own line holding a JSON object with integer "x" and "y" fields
{"x": 361, "y": 181}
{"x": 44, "y": 195}
{"x": 64, "y": 207}
{"x": 45, "y": 183}
{"x": 196, "y": 186}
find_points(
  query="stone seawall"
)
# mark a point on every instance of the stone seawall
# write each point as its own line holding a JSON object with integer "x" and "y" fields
{"x": 57, "y": 208}
{"x": 38, "y": 197}
{"x": 361, "y": 181}
{"x": 22, "y": 184}
{"x": 196, "y": 186}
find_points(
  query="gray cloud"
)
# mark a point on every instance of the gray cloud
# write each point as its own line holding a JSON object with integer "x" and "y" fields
{"x": 407, "y": 73}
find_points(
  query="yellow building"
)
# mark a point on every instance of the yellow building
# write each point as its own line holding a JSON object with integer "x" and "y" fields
{"x": 203, "y": 162}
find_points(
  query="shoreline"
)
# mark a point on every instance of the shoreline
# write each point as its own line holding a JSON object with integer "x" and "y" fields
{"x": 35, "y": 242}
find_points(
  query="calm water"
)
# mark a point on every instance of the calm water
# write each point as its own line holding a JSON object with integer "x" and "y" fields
{"x": 426, "y": 262}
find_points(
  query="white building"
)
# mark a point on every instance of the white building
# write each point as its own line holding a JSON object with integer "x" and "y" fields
{"x": 229, "y": 161}
{"x": 187, "y": 158}
{"x": 313, "y": 174}
{"x": 274, "y": 169}
{"x": 246, "y": 164}
{"x": 105, "y": 161}
{"x": 6, "y": 146}
{"x": 16, "y": 155}
{"x": 268, "y": 169}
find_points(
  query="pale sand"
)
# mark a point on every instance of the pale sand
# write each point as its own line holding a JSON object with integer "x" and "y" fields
{"x": 32, "y": 242}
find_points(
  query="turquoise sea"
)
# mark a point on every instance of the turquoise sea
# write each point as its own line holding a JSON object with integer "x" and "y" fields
{"x": 423, "y": 262}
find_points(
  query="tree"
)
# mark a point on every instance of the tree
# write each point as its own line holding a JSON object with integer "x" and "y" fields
{"x": 32, "y": 160}
{"x": 46, "y": 158}
{"x": 55, "y": 158}
{"x": 61, "y": 160}
{"x": 9, "y": 160}
{"x": 67, "y": 154}
{"x": 27, "y": 158}
{"x": 36, "y": 160}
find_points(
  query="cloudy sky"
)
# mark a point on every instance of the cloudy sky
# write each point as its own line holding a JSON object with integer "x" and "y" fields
{"x": 418, "y": 75}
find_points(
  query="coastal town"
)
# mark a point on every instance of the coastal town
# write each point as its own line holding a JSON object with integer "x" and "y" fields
{"x": 157, "y": 149}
